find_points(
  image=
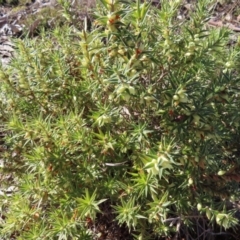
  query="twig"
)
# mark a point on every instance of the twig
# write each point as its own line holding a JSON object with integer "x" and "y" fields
{"x": 220, "y": 24}
{"x": 172, "y": 219}
{"x": 115, "y": 164}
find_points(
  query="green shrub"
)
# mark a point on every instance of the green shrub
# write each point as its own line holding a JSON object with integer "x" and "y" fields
{"x": 141, "y": 111}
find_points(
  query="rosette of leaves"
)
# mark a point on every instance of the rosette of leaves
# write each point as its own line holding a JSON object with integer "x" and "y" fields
{"x": 142, "y": 111}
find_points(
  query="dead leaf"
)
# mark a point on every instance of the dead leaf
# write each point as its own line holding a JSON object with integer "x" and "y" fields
{"x": 33, "y": 27}
{"x": 238, "y": 18}
{"x": 6, "y": 48}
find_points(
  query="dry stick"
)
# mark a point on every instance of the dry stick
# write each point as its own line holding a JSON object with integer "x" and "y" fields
{"x": 115, "y": 164}
{"x": 220, "y": 24}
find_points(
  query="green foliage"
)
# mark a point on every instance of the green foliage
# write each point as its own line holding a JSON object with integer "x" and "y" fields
{"x": 142, "y": 111}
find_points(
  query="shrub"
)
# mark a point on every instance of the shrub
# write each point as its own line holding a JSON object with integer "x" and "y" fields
{"x": 141, "y": 111}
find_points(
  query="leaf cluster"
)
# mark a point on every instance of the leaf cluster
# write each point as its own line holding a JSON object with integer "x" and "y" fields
{"x": 142, "y": 110}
